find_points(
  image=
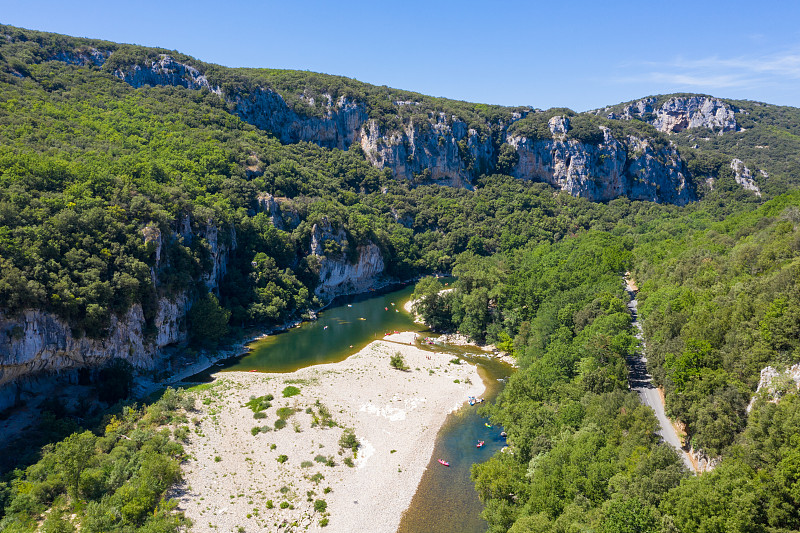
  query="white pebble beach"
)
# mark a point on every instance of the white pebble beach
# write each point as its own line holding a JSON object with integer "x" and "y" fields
{"x": 396, "y": 416}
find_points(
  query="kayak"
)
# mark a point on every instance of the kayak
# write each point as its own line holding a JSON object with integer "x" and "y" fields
{"x": 480, "y": 444}
{"x": 487, "y": 424}
{"x": 443, "y": 462}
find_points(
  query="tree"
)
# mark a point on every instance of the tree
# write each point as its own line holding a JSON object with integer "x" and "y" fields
{"x": 72, "y": 456}
{"x": 208, "y": 321}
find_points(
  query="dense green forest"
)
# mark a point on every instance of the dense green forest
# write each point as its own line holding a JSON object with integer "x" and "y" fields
{"x": 719, "y": 300}
{"x": 89, "y": 165}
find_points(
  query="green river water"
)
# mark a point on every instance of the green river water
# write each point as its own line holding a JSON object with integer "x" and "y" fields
{"x": 446, "y": 500}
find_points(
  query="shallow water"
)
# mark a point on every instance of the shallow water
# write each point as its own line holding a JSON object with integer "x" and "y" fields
{"x": 446, "y": 501}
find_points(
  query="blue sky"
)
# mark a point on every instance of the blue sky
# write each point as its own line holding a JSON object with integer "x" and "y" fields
{"x": 577, "y": 54}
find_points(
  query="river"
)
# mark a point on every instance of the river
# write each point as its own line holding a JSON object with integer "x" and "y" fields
{"x": 446, "y": 501}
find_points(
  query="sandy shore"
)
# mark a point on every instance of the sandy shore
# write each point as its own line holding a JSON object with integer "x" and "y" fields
{"x": 235, "y": 479}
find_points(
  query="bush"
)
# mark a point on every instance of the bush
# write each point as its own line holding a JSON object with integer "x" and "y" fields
{"x": 348, "y": 440}
{"x": 397, "y": 362}
{"x": 259, "y": 415}
{"x": 290, "y": 391}
{"x": 306, "y": 464}
{"x": 284, "y": 505}
{"x": 282, "y": 458}
{"x": 255, "y": 431}
{"x": 285, "y": 412}
{"x": 280, "y": 423}
{"x": 269, "y": 504}
{"x": 320, "y": 506}
{"x": 349, "y": 462}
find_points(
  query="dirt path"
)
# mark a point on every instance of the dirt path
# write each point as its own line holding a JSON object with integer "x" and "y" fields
{"x": 642, "y": 382}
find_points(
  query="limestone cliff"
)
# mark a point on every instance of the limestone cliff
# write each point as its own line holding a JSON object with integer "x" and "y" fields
{"x": 442, "y": 148}
{"x": 37, "y": 343}
{"x": 338, "y": 274}
{"x": 633, "y": 167}
{"x": 680, "y": 113}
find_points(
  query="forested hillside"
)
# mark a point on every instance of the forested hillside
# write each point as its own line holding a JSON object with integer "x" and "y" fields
{"x": 147, "y": 195}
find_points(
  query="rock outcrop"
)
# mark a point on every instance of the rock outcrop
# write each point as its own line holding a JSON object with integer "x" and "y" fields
{"x": 744, "y": 176}
{"x": 265, "y": 109}
{"x": 773, "y": 384}
{"x": 441, "y": 149}
{"x": 37, "y": 343}
{"x": 165, "y": 71}
{"x": 681, "y": 113}
{"x": 337, "y": 274}
{"x": 634, "y": 168}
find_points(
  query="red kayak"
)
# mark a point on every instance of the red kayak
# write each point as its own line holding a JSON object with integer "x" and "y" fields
{"x": 480, "y": 444}
{"x": 443, "y": 462}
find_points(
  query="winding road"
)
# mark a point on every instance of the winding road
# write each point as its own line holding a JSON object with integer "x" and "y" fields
{"x": 642, "y": 382}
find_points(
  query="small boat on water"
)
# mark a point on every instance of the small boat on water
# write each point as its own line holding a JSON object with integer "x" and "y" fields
{"x": 480, "y": 444}
{"x": 503, "y": 434}
{"x": 326, "y": 327}
{"x": 348, "y": 305}
{"x": 361, "y": 318}
{"x": 443, "y": 462}
{"x": 487, "y": 424}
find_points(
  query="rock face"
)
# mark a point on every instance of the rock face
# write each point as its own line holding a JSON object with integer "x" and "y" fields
{"x": 337, "y": 275}
{"x": 744, "y": 176}
{"x": 339, "y": 126}
{"x": 165, "y": 71}
{"x": 773, "y": 384}
{"x": 682, "y": 112}
{"x": 635, "y": 169}
{"x": 442, "y": 149}
{"x": 37, "y": 343}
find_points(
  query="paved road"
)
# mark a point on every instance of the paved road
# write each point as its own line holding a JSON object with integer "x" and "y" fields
{"x": 641, "y": 382}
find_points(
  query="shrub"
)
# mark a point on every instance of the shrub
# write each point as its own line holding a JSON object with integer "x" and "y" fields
{"x": 397, "y": 362}
{"x": 255, "y": 431}
{"x": 316, "y": 478}
{"x": 320, "y": 458}
{"x": 284, "y": 505}
{"x": 282, "y": 458}
{"x": 324, "y": 522}
{"x": 320, "y": 506}
{"x": 259, "y": 415}
{"x": 280, "y": 423}
{"x": 290, "y": 391}
{"x": 270, "y": 505}
{"x": 217, "y": 458}
{"x": 285, "y": 412}
{"x": 182, "y": 433}
{"x": 348, "y": 440}
{"x": 455, "y": 361}
{"x": 349, "y": 462}
{"x": 306, "y": 464}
